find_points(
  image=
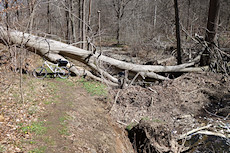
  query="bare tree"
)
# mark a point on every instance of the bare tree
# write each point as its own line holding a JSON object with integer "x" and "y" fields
{"x": 72, "y": 19}
{"x": 83, "y": 24}
{"x": 48, "y": 17}
{"x": 32, "y": 7}
{"x": 119, "y": 7}
{"x": 212, "y": 25}
{"x": 67, "y": 15}
{"x": 155, "y": 15}
{"x": 6, "y": 6}
{"x": 177, "y": 32}
{"x": 188, "y": 15}
{"x": 89, "y": 23}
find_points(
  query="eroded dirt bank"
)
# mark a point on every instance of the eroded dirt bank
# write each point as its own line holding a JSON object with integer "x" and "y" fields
{"x": 162, "y": 112}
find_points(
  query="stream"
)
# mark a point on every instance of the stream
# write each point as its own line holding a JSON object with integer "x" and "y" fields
{"x": 208, "y": 144}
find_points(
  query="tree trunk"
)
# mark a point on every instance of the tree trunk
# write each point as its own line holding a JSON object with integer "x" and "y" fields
{"x": 188, "y": 16}
{"x": 118, "y": 31}
{"x": 155, "y": 16}
{"x": 73, "y": 26}
{"x": 89, "y": 23}
{"x": 6, "y": 6}
{"x": 83, "y": 25}
{"x": 67, "y": 16}
{"x": 177, "y": 32}
{"x": 212, "y": 25}
{"x": 32, "y": 7}
{"x": 99, "y": 28}
{"x": 213, "y": 18}
{"x": 48, "y": 17}
{"x": 80, "y": 22}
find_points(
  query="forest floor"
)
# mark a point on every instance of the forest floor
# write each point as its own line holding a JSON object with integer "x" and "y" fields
{"x": 58, "y": 116}
{"x": 79, "y": 115}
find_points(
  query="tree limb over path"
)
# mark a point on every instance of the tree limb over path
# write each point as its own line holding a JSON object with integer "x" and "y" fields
{"x": 54, "y": 50}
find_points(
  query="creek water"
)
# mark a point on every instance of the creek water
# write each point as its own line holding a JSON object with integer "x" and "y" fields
{"x": 207, "y": 144}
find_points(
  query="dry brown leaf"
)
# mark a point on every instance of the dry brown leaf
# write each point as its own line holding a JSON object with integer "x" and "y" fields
{"x": 2, "y": 118}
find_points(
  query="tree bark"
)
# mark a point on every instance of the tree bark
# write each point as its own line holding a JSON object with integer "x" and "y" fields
{"x": 6, "y": 6}
{"x": 177, "y": 32}
{"x": 73, "y": 26}
{"x": 155, "y": 15}
{"x": 79, "y": 21}
{"x": 212, "y": 25}
{"x": 213, "y": 18}
{"x": 48, "y": 17}
{"x": 89, "y": 23}
{"x": 188, "y": 16}
{"x": 83, "y": 25}
{"x": 67, "y": 16}
{"x": 32, "y": 13}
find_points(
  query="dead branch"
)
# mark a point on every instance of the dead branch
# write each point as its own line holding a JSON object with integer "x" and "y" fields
{"x": 53, "y": 50}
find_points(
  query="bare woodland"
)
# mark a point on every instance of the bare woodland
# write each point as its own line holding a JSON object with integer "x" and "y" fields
{"x": 77, "y": 29}
{"x": 151, "y": 49}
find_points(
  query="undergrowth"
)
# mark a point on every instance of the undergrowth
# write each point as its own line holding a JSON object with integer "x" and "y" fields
{"x": 94, "y": 88}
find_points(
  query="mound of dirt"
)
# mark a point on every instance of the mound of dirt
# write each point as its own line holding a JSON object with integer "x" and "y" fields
{"x": 180, "y": 105}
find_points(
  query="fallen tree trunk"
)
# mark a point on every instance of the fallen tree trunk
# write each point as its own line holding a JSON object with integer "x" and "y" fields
{"x": 54, "y": 50}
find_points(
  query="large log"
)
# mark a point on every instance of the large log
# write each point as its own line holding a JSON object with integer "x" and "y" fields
{"x": 54, "y": 50}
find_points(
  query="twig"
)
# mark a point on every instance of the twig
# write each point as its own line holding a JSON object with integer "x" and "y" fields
{"x": 227, "y": 116}
{"x": 152, "y": 90}
{"x": 115, "y": 101}
{"x": 194, "y": 131}
{"x": 8, "y": 87}
{"x": 134, "y": 78}
{"x": 212, "y": 133}
{"x": 215, "y": 114}
{"x": 122, "y": 123}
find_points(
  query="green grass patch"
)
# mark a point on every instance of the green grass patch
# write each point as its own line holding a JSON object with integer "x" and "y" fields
{"x": 29, "y": 141}
{"x": 130, "y": 126}
{"x": 49, "y": 141}
{"x": 63, "y": 121}
{"x": 2, "y": 148}
{"x": 67, "y": 81}
{"x": 38, "y": 150}
{"x": 64, "y": 131}
{"x": 94, "y": 88}
{"x": 53, "y": 87}
{"x": 157, "y": 121}
{"x": 36, "y": 127}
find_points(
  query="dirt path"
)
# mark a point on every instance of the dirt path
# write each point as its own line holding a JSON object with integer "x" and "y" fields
{"x": 76, "y": 122}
